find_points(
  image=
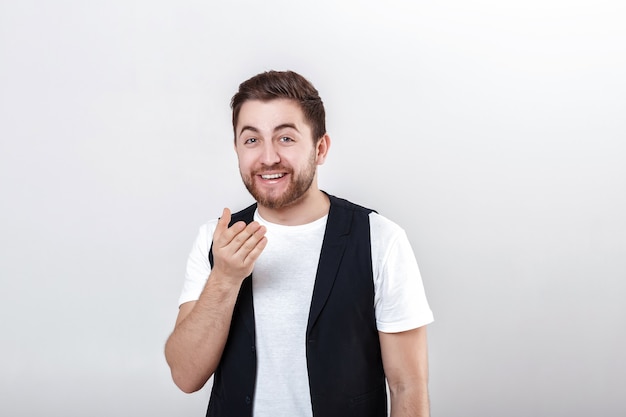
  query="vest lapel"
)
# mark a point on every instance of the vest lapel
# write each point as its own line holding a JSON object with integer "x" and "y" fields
{"x": 333, "y": 248}
{"x": 245, "y": 304}
{"x": 244, "y": 300}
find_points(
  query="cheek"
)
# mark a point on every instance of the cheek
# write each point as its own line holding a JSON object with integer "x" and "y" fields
{"x": 245, "y": 159}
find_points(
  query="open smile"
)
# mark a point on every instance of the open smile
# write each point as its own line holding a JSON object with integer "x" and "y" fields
{"x": 272, "y": 176}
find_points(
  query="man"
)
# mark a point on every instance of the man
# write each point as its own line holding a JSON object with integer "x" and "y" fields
{"x": 303, "y": 304}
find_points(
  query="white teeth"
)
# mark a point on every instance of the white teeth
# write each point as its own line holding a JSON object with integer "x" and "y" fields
{"x": 271, "y": 176}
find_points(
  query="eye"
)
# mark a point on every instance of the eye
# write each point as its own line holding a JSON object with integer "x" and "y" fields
{"x": 250, "y": 141}
{"x": 285, "y": 139}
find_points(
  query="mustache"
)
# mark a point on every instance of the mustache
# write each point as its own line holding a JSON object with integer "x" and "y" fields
{"x": 272, "y": 168}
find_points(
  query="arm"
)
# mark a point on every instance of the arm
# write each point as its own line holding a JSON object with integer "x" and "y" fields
{"x": 194, "y": 348}
{"x": 405, "y": 359}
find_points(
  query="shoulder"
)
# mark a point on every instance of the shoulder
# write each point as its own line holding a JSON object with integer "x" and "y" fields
{"x": 348, "y": 205}
{"x": 381, "y": 228}
{"x": 384, "y": 230}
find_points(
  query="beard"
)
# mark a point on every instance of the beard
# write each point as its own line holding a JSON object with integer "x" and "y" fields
{"x": 299, "y": 184}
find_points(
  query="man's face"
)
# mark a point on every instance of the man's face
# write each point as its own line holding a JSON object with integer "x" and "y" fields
{"x": 277, "y": 157}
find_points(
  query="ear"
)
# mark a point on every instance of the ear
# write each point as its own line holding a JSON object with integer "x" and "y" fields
{"x": 322, "y": 147}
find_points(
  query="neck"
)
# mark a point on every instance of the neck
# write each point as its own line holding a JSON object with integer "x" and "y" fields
{"x": 311, "y": 206}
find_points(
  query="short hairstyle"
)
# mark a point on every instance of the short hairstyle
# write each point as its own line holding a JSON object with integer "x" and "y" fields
{"x": 272, "y": 85}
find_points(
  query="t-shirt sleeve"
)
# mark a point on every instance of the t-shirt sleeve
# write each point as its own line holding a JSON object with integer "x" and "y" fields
{"x": 400, "y": 300}
{"x": 198, "y": 265}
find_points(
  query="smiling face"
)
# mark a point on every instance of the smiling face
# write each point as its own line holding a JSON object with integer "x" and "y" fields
{"x": 277, "y": 154}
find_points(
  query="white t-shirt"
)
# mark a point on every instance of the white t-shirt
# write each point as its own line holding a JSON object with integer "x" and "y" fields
{"x": 284, "y": 276}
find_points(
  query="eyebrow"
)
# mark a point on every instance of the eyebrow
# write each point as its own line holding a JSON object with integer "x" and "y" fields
{"x": 277, "y": 128}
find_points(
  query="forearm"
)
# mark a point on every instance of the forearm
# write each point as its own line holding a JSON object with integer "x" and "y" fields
{"x": 194, "y": 348}
{"x": 405, "y": 358}
{"x": 410, "y": 400}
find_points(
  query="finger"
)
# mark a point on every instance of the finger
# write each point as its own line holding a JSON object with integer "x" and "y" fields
{"x": 256, "y": 251}
{"x": 222, "y": 222}
{"x": 256, "y": 235}
{"x": 237, "y": 234}
{"x": 223, "y": 233}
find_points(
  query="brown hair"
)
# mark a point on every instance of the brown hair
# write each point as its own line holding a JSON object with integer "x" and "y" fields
{"x": 273, "y": 85}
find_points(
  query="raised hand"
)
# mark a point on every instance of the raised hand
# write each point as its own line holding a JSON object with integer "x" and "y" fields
{"x": 236, "y": 248}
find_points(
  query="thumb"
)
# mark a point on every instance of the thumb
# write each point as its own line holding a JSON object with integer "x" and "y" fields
{"x": 224, "y": 220}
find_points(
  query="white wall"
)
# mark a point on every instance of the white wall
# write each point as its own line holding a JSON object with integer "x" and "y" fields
{"x": 493, "y": 131}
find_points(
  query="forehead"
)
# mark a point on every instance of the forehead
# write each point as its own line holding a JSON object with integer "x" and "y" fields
{"x": 267, "y": 115}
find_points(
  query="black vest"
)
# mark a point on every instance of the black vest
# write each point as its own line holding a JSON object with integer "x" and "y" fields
{"x": 346, "y": 376}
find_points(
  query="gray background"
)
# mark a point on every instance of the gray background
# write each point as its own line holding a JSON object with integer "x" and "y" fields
{"x": 492, "y": 131}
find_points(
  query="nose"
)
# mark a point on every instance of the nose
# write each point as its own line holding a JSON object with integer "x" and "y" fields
{"x": 270, "y": 155}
